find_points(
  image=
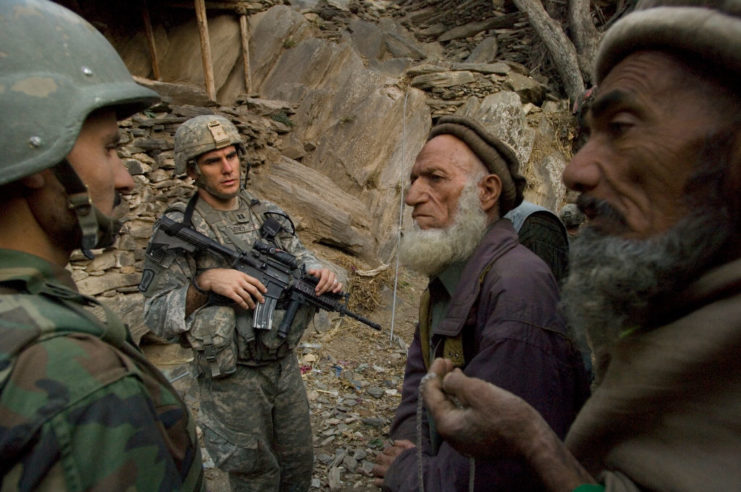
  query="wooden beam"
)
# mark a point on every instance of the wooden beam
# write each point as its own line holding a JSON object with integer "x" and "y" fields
{"x": 150, "y": 40}
{"x": 208, "y": 68}
{"x": 244, "y": 31}
{"x": 249, "y": 7}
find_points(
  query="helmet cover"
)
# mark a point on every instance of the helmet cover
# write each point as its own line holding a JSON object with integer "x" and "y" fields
{"x": 202, "y": 134}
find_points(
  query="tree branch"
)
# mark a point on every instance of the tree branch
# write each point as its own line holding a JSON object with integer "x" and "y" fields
{"x": 585, "y": 34}
{"x": 559, "y": 46}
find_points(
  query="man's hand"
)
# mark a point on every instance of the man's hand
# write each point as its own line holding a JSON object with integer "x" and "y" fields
{"x": 327, "y": 281}
{"x": 489, "y": 422}
{"x": 385, "y": 458}
{"x": 244, "y": 290}
{"x": 493, "y": 423}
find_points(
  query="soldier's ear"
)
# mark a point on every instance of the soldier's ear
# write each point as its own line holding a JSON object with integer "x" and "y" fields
{"x": 34, "y": 181}
{"x": 191, "y": 171}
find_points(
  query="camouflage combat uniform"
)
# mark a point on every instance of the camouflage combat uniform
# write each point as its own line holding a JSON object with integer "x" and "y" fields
{"x": 254, "y": 410}
{"x": 65, "y": 376}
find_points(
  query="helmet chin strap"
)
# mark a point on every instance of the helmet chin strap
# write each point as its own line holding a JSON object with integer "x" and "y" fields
{"x": 98, "y": 230}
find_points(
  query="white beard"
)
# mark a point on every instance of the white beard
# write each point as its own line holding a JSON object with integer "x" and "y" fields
{"x": 429, "y": 251}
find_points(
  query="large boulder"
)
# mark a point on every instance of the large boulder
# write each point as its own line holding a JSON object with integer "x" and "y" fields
{"x": 353, "y": 119}
{"x": 322, "y": 211}
{"x": 503, "y": 116}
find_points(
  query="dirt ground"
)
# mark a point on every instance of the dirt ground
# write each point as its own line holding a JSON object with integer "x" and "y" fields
{"x": 353, "y": 378}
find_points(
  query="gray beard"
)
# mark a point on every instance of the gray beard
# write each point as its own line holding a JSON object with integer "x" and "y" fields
{"x": 616, "y": 285}
{"x": 429, "y": 251}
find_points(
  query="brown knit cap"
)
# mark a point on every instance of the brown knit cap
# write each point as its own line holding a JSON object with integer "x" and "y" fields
{"x": 497, "y": 156}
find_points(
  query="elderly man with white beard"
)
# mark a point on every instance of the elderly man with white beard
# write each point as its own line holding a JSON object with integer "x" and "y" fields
{"x": 655, "y": 278}
{"x": 491, "y": 305}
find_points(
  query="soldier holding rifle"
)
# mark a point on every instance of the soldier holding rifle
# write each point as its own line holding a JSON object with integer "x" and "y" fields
{"x": 254, "y": 409}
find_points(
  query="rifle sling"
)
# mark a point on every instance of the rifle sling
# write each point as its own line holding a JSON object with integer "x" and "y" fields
{"x": 188, "y": 215}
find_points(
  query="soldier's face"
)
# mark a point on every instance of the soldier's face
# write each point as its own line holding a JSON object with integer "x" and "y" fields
{"x": 95, "y": 159}
{"x": 220, "y": 172}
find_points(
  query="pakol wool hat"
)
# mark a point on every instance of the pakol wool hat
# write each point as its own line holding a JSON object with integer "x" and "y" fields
{"x": 707, "y": 29}
{"x": 498, "y": 157}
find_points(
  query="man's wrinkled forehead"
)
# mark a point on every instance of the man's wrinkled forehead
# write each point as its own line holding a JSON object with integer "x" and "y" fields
{"x": 444, "y": 153}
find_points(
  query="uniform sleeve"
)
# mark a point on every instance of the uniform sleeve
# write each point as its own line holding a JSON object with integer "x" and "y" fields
{"x": 292, "y": 244}
{"x": 166, "y": 276}
{"x": 81, "y": 419}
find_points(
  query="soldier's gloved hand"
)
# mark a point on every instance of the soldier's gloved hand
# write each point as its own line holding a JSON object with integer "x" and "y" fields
{"x": 241, "y": 288}
{"x": 327, "y": 281}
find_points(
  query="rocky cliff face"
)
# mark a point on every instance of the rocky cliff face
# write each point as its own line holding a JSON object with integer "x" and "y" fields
{"x": 343, "y": 95}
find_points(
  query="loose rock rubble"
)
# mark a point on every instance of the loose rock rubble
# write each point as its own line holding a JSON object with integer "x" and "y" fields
{"x": 353, "y": 396}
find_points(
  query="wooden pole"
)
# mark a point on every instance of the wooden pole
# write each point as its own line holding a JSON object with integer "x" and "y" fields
{"x": 244, "y": 31}
{"x": 235, "y": 5}
{"x": 208, "y": 69}
{"x": 150, "y": 40}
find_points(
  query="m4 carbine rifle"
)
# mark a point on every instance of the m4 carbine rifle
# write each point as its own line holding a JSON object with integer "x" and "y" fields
{"x": 278, "y": 270}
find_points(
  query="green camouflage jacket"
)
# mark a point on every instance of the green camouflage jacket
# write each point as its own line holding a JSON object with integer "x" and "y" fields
{"x": 80, "y": 406}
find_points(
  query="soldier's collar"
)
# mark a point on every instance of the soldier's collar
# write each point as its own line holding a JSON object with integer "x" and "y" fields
{"x": 31, "y": 273}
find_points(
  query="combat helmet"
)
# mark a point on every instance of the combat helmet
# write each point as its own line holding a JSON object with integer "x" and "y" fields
{"x": 202, "y": 134}
{"x": 56, "y": 69}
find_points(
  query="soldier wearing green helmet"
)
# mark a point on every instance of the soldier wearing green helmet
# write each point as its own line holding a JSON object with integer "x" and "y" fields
{"x": 254, "y": 411}
{"x": 81, "y": 406}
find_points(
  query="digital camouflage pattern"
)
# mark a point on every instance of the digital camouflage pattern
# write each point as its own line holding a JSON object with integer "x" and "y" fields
{"x": 202, "y": 134}
{"x": 254, "y": 413}
{"x": 80, "y": 406}
{"x": 164, "y": 308}
{"x": 260, "y": 453}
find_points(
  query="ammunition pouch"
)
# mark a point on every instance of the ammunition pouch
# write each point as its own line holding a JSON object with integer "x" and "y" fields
{"x": 266, "y": 346}
{"x": 212, "y": 337}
